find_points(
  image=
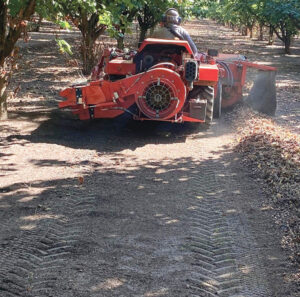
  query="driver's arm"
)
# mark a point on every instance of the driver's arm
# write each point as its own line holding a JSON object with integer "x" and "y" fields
{"x": 186, "y": 36}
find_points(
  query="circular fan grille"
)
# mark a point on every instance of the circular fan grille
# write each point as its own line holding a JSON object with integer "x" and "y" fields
{"x": 158, "y": 96}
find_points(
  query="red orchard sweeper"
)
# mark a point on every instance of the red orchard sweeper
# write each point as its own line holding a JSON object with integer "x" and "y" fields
{"x": 164, "y": 81}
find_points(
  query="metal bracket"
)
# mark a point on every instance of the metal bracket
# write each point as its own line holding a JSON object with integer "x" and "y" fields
{"x": 91, "y": 112}
{"x": 78, "y": 95}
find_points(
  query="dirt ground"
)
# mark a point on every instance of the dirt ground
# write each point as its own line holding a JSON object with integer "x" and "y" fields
{"x": 116, "y": 208}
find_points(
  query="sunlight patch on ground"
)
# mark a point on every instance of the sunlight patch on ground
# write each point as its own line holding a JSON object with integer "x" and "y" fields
{"x": 109, "y": 284}
{"x": 28, "y": 227}
{"x": 38, "y": 217}
{"x": 160, "y": 292}
{"x": 231, "y": 211}
{"x": 245, "y": 269}
{"x": 287, "y": 83}
{"x": 27, "y": 199}
{"x": 172, "y": 221}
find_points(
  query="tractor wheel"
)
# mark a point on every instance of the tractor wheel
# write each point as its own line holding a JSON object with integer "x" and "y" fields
{"x": 218, "y": 102}
{"x": 207, "y": 93}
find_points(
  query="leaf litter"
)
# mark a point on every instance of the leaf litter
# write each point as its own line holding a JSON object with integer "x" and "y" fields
{"x": 273, "y": 154}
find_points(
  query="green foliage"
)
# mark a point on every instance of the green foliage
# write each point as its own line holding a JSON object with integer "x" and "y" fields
{"x": 120, "y": 15}
{"x": 279, "y": 12}
{"x": 15, "y": 6}
{"x": 106, "y": 18}
{"x": 64, "y": 47}
{"x": 64, "y": 24}
{"x": 202, "y": 8}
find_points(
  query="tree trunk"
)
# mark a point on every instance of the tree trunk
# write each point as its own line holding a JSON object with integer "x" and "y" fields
{"x": 120, "y": 42}
{"x": 143, "y": 33}
{"x": 3, "y": 107}
{"x": 251, "y": 31}
{"x": 129, "y": 15}
{"x": 261, "y": 32}
{"x": 90, "y": 30}
{"x": 3, "y": 99}
{"x": 38, "y": 26}
{"x": 244, "y": 31}
{"x": 88, "y": 54}
{"x": 287, "y": 44}
{"x": 146, "y": 21}
{"x": 152, "y": 31}
{"x": 120, "y": 39}
{"x": 285, "y": 36}
{"x": 271, "y": 36}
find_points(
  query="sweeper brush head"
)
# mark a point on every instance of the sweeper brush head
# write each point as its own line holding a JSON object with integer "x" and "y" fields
{"x": 262, "y": 96}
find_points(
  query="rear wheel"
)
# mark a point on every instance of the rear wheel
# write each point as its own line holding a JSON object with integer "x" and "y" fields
{"x": 207, "y": 93}
{"x": 218, "y": 102}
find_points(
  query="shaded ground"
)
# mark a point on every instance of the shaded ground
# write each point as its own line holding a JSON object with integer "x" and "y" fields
{"x": 143, "y": 209}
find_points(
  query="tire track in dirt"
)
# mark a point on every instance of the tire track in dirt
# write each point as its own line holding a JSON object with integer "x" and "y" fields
{"x": 215, "y": 272}
{"x": 30, "y": 264}
{"x": 256, "y": 248}
{"x": 227, "y": 260}
{"x": 221, "y": 245}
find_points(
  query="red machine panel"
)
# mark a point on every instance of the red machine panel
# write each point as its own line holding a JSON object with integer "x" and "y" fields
{"x": 168, "y": 42}
{"x": 208, "y": 75}
{"x": 120, "y": 67}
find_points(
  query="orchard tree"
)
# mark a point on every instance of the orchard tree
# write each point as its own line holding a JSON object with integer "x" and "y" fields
{"x": 284, "y": 19}
{"x": 91, "y": 18}
{"x": 13, "y": 17}
{"x": 122, "y": 14}
{"x": 148, "y": 16}
{"x": 240, "y": 13}
{"x": 281, "y": 16}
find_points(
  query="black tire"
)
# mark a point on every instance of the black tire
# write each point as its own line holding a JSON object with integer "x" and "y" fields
{"x": 208, "y": 93}
{"x": 218, "y": 102}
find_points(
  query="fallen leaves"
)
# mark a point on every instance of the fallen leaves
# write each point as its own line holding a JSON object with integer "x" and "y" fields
{"x": 273, "y": 154}
{"x": 80, "y": 180}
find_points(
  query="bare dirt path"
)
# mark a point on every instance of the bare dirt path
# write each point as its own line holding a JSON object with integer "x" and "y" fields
{"x": 145, "y": 209}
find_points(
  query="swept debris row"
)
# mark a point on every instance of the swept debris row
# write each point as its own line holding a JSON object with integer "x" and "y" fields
{"x": 273, "y": 153}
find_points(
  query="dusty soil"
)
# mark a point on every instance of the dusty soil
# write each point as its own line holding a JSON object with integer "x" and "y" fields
{"x": 108, "y": 208}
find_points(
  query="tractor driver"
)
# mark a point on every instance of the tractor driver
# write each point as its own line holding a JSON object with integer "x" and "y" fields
{"x": 170, "y": 29}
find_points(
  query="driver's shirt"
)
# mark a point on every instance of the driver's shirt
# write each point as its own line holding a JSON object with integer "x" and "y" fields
{"x": 171, "y": 32}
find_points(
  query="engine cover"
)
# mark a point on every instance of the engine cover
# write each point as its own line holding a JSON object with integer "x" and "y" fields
{"x": 161, "y": 93}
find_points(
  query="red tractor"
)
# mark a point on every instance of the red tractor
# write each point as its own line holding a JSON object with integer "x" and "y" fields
{"x": 163, "y": 81}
